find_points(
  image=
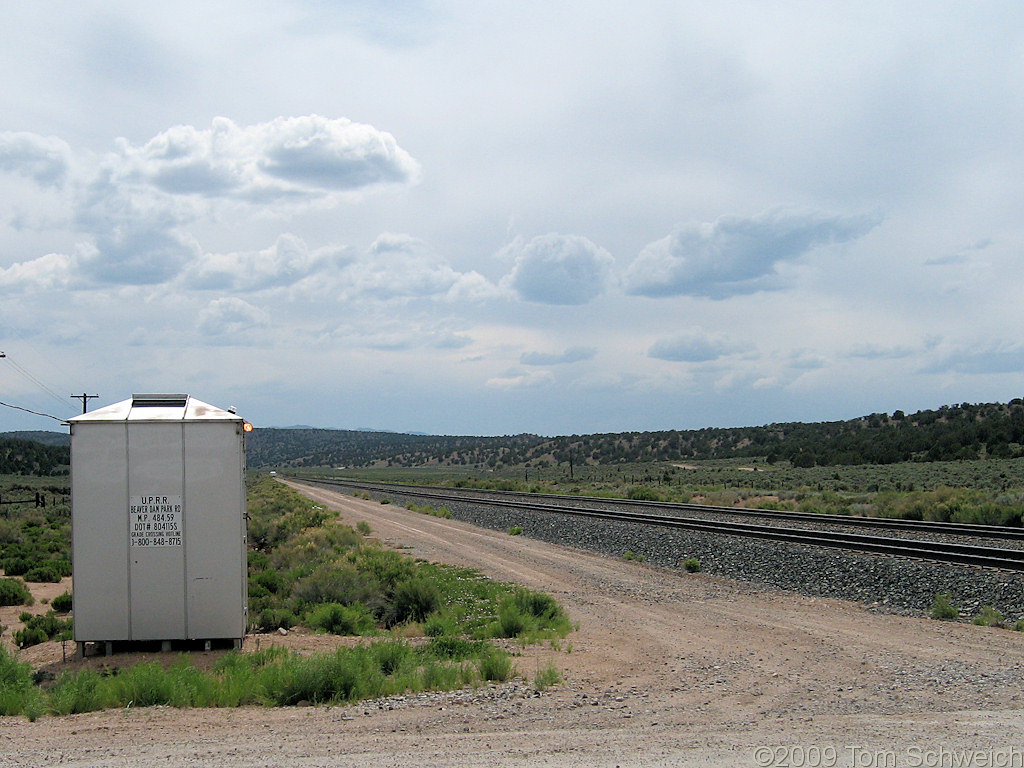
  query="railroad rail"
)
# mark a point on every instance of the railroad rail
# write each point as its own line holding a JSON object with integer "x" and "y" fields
{"x": 943, "y": 551}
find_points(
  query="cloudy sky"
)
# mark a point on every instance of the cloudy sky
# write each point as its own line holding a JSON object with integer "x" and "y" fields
{"x": 489, "y": 218}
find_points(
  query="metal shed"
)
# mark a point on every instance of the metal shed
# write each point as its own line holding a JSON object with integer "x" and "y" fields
{"x": 158, "y": 522}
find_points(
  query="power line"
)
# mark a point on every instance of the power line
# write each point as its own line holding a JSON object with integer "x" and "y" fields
{"x": 29, "y": 377}
{"x": 35, "y": 413}
{"x": 37, "y": 382}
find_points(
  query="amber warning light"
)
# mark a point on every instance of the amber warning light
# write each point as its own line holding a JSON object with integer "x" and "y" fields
{"x": 247, "y": 426}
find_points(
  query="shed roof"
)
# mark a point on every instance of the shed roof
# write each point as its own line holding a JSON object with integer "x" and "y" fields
{"x": 158, "y": 407}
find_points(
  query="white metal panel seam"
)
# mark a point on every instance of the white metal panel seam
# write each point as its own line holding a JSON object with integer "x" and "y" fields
{"x": 127, "y": 528}
{"x": 185, "y": 495}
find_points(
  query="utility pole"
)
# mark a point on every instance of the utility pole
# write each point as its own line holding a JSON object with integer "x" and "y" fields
{"x": 84, "y": 398}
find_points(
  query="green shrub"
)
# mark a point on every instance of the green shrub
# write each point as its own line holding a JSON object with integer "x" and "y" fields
{"x": 526, "y": 612}
{"x": 943, "y": 609}
{"x": 270, "y": 580}
{"x": 74, "y": 693}
{"x": 44, "y": 573}
{"x": 341, "y": 583}
{"x": 62, "y": 603}
{"x": 1018, "y": 625}
{"x": 387, "y": 567}
{"x": 515, "y": 530}
{"x": 364, "y": 528}
{"x": 691, "y": 564}
{"x": 630, "y": 555}
{"x": 39, "y": 629}
{"x": 989, "y": 616}
{"x": 426, "y": 509}
{"x": 339, "y": 619}
{"x": 17, "y": 566}
{"x": 18, "y": 695}
{"x": 495, "y": 666}
{"x": 456, "y": 648}
{"x": 390, "y": 657}
{"x": 345, "y": 675}
{"x": 271, "y": 619}
{"x": 511, "y": 622}
{"x": 439, "y": 624}
{"x": 26, "y": 638}
{"x": 445, "y": 676}
{"x": 537, "y": 604}
{"x": 14, "y": 592}
{"x": 413, "y": 600}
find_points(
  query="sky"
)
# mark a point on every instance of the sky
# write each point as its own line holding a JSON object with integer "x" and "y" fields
{"x": 488, "y": 218}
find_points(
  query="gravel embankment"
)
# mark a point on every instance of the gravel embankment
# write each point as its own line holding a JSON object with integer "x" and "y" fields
{"x": 889, "y": 584}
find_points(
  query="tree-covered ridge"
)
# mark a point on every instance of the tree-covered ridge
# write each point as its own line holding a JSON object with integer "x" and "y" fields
{"x": 955, "y": 432}
{"x": 39, "y": 436}
{"x": 950, "y": 433}
{"x": 304, "y": 447}
{"x": 27, "y": 457}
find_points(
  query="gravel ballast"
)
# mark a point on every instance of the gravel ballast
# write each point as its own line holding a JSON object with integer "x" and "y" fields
{"x": 885, "y": 583}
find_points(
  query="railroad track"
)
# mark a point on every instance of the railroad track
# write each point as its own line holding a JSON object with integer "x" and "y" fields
{"x": 945, "y": 551}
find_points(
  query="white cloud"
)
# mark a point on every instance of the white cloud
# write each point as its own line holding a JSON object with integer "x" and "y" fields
{"x": 806, "y": 360}
{"x": 558, "y": 269}
{"x": 45, "y": 159}
{"x": 881, "y": 352}
{"x": 473, "y": 287}
{"x": 993, "y": 358}
{"x": 288, "y": 157}
{"x": 520, "y": 380}
{"x": 47, "y": 273}
{"x": 138, "y": 211}
{"x": 284, "y": 263}
{"x": 961, "y": 256}
{"x": 137, "y": 255}
{"x": 232, "y": 318}
{"x": 397, "y": 267}
{"x": 692, "y": 346}
{"x": 450, "y": 340}
{"x": 571, "y": 355}
{"x": 736, "y": 255}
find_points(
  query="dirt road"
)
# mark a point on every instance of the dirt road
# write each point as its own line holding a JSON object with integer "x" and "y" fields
{"x": 666, "y": 669}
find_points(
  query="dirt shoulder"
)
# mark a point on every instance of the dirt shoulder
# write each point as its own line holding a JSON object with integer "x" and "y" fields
{"x": 666, "y": 668}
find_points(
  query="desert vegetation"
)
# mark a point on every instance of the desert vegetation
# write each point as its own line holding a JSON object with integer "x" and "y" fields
{"x": 271, "y": 677}
{"x": 305, "y": 567}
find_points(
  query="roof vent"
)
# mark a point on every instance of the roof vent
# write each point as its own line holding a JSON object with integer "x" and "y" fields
{"x": 159, "y": 401}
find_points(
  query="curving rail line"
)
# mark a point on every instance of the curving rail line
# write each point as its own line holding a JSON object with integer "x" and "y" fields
{"x": 944, "y": 551}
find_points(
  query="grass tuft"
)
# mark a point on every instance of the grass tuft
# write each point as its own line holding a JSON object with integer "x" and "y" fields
{"x": 989, "y": 616}
{"x": 943, "y": 608}
{"x": 547, "y": 677}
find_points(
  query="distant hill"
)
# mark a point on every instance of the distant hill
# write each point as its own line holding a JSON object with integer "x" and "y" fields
{"x": 953, "y": 432}
{"x": 30, "y": 457}
{"x": 357, "y": 448}
{"x": 38, "y": 436}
